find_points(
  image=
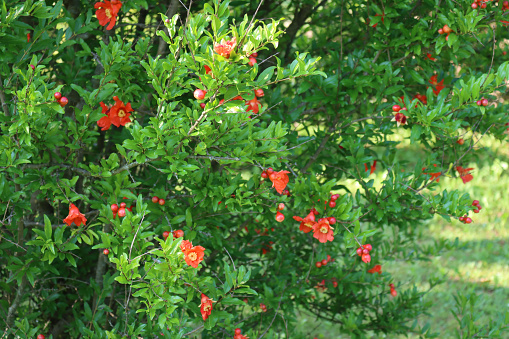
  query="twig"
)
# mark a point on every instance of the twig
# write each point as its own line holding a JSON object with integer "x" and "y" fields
{"x": 210, "y": 157}
{"x": 230, "y": 258}
{"x": 194, "y": 330}
{"x": 275, "y": 314}
{"x": 15, "y": 303}
{"x": 282, "y": 150}
{"x": 322, "y": 144}
{"x": 249, "y": 27}
{"x": 492, "y": 57}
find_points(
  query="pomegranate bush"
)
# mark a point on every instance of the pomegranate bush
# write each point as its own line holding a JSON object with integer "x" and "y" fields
{"x": 186, "y": 170}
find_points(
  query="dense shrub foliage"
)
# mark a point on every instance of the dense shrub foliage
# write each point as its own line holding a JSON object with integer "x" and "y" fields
{"x": 183, "y": 170}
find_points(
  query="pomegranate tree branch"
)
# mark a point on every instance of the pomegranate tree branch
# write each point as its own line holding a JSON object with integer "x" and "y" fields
{"x": 322, "y": 145}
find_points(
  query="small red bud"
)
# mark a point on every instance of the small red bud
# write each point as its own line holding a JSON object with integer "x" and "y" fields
{"x": 199, "y": 94}
{"x": 63, "y": 101}
{"x": 279, "y": 217}
{"x": 121, "y": 212}
{"x": 178, "y": 234}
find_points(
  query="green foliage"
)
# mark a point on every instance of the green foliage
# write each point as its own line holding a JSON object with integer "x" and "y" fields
{"x": 326, "y": 117}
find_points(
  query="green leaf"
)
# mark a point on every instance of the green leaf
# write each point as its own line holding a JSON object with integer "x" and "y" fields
{"x": 47, "y": 227}
{"x": 266, "y": 75}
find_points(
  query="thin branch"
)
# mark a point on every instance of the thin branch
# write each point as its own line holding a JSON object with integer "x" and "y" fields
{"x": 322, "y": 144}
{"x": 210, "y": 157}
{"x": 249, "y": 27}
{"x": 230, "y": 258}
{"x": 492, "y": 56}
{"x": 81, "y": 170}
{"x": 275, "y": 314}
{"x": 15, "y": 303}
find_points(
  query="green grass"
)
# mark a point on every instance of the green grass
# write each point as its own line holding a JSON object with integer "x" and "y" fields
{"x": 479, "y": 263}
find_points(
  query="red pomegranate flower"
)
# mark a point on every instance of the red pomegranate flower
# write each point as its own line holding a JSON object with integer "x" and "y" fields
{"x": 186, "y": 245}
{"x": 194, "y": 256}
{"x": 422, "y": 98}
{"x": 104, "y": 122}
{"x": 107, "y": 12}
{"x": 205, "y": 306}
{"x": 376, "y": 269}
{"x": 253, "y": 106}
{"x": 320, "y": 287}
{"x": 373, "y": 167}
{"x": 225, "y": 47}
{"x": 438, "y": 85}
{"x": 400, "y": 119}
{"x": 434, "y": 176}
{"x": 75, "y": 216}
{"x": 428, "y": 55}
{"x": 323, "y": 231}
{"x": 279, "y": 180}
{"x": 307, "y": 223}
{"x": 382, "y": 15}
{"x": 465, "y": 174}
{"x": 119, "y": 113}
